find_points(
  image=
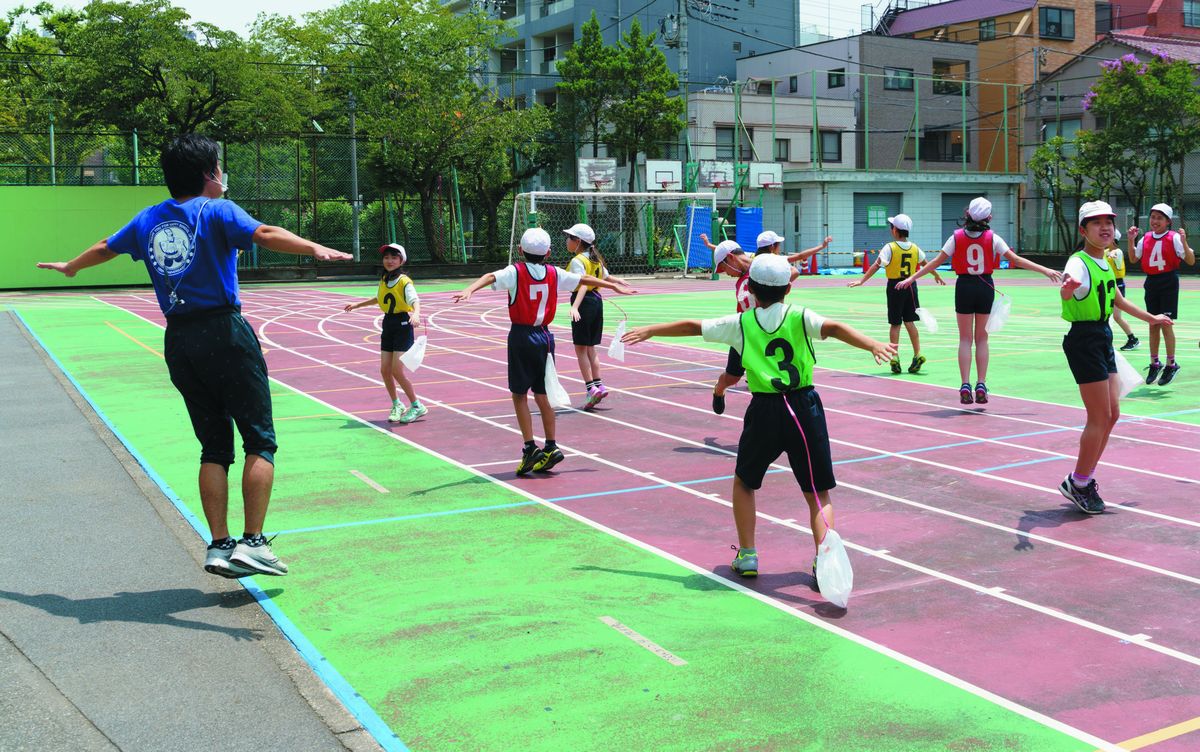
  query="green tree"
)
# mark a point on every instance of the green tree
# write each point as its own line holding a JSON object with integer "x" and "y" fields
{"x": 1055, "y": 171}
{"x": 642, "y": 112}
{"x": 584, "y": 91}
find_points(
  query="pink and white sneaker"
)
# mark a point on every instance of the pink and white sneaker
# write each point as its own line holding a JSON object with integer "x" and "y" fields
{"x": 601, "y": 393}
{"x": 593, "y": 397}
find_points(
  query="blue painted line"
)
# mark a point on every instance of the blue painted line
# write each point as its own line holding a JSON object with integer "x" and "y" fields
{"x": 382, "y": 520}
{"x": 1021, "y": 464}
{"x": 353, "y": 701}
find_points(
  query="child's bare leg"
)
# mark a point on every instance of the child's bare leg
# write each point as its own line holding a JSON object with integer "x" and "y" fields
{"x": 966, "y": 332}
{"x": 1117, "y": 317}
{"x": 817, "y": 519}
{"x": 894, "y": 336}
{"x": 386, "y": 370}
{"x": 1154, "y": 330}
{"x": 585, "y": 362}
{"x": 548, "y": 417}
{"x": 594, "y": 359}
{"x": 744, "y": 516}
{"x": 981, "y": 347}
{"x": 1168, "y": 333}
{"x": 1100, "y": 401}
{"x": 913, "y": 337}
{"x": 524, "y": 418}
{"x": 401, "y": 377}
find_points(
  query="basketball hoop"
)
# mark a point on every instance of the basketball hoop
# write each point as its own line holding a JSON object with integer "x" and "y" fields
{"x": 600, "y": 184}
{"x": 769, "y": 186}
{"x": 719, "y": 184}
{"x": 666, "y": 184}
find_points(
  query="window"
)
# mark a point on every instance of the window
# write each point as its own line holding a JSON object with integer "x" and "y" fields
{"x": 1066, "y": 127}
{"x": 746, "y": 145}
{"x": 737, "y": 46}
{"x": 724, "y": 143}
{"x": 943, "y": 146}
{"x": 948, "y": 76}
{"x": 836, "y": 78}
{"x": 1056, "y": 23}
{"x": 1191, "y": 13}
{"x": 987, "y": 29}
{"x": 877, "y": 215}
{"x": 898, "y": 78}
{"x": 831, "y": 146}
{"x": 793, "y": 84}
{"x": 783, "y": 150}
{"x": 1104, "y": 18}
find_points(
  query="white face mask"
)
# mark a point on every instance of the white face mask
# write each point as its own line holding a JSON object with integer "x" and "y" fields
{"x": 224, "y": 183}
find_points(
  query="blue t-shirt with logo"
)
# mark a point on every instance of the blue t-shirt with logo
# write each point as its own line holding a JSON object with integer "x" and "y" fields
{"x": 190, "y": 248}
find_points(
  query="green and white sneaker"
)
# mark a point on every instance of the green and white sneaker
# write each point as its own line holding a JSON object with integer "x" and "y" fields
{"x": 746, "y": 563}
{"x": 414, "y": 411}
{"x": 397, "y": 413}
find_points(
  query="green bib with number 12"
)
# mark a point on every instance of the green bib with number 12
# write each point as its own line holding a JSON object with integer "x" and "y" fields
{"x": 780, "y": 360}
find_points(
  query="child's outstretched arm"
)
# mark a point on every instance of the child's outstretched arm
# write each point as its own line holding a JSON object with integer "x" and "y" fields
{"x": 870, "y": 273}
{"x": 685, "y": 328}
{"x": 938, "y": 277}
{"x": 620, "y": 287}
{"x": 937, "y": 261}
{"x": 1123, "y": 303}
{"x": 285, "y": 241}
{"x": 1052, "y": 274}
{"x": 800, "y": 255}
{"x": 704, "y": 239}
{"x": 97, "y": 254}
{"x": 351, "y": 306}
{"x": 883, "y": 351}
{"x": 479, "y": 284}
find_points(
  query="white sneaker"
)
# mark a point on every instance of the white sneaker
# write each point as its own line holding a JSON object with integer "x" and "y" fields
{"x": 255, "y": 554}
{"x": 217, "y": 562}
{"x": 413, "y": 412}
{"x": 397, "y": 412}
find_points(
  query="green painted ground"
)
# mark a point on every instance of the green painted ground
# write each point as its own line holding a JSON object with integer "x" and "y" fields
{"x": 482, "y": 630}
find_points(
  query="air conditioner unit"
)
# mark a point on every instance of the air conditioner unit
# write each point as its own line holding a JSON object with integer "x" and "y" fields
{"x": 1053, "y": 30}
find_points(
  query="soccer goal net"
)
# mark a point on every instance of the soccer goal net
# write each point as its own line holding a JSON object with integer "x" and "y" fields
{"x": 635, "y": 232}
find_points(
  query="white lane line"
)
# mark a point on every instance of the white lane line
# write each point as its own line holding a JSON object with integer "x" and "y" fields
{"x": 648, "y": 644}
{"x": 368, "y": 481}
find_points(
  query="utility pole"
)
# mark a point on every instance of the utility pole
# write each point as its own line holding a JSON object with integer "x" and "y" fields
{"x": 683, "y": 43}
{"x": 354, "y": 197}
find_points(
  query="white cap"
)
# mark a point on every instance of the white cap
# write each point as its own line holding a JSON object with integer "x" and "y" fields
{"x": 724, "y": 248}
{"x": 535, "y": 240}
{"x": 583, "y": 232}
{"x": 1165, "y": 210}
{"x": 768, "y": 238}
{"x": 980, "y": 209}
{"x": 901, "y": 222}
{"x": 771, "y": 270}
{"x": 394, "y": 248}
{"x": 1095, "y": 209}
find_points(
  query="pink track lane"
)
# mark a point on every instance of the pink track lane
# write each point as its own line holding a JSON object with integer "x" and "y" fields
{"x": 1072, "y": 671}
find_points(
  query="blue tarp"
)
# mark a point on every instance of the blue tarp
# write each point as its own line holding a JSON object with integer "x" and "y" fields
{"x": 699, "y": 220}
{"x": 749, "y": 225}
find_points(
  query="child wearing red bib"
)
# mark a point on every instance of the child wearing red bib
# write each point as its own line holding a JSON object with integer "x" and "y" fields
{"x": 1160, "y": 252}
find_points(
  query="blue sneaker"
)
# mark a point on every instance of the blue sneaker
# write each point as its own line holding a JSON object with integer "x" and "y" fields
{"x": 746, "y": 563}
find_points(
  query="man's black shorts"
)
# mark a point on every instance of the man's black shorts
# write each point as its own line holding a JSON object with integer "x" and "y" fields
{"x": 217, "y": 365}
{"x": 769, "y": 431}
{"x": 1089, "y": 350}
{"x": 901, "y": 304}
{"x": 397, "y": 335}
{"x": 1162, "y": 294}
{"x": 588, "y": 330}
{"x": 528, "y": 348}
{"x": 733, "y": 364}
{"x": 974, "y": 293}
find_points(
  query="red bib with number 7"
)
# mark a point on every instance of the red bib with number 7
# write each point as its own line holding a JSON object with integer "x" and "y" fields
{"x": 973, "y": 255}
{"x": 535, "y": 299}
{"x": 1158, "y": 254}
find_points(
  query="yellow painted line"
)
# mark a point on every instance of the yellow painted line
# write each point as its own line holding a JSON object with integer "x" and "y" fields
{"x": 132, "y": 338}
{"x": 1163, "y": 734}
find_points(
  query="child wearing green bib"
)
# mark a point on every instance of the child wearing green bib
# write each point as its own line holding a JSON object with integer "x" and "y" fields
{"x": 785, "y": 413}
{"x": 1089, "y": 295}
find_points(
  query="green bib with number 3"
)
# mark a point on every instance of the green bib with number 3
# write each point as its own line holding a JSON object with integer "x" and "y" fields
{"x": 1098, "y": 304}
{"x": 777, "y": 361}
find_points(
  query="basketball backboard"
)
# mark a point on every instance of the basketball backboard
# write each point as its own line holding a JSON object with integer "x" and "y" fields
{"x": 766, "y": 175}
{"x": 663, "y": 175}
{"x": 597, "y": 174}
{"x": 715, "y": 173}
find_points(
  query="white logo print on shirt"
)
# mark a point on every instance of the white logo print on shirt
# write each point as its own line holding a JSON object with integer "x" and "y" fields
{"x": 172, "y": 249}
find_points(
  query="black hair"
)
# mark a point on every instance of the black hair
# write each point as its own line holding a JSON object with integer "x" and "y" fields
{"x": 187, "y": 163}
{"x": 768, "y": 294}
{"x": 902, "y": 233}
{"x": 973, "y": 225}
{"x": 532, "y": 259}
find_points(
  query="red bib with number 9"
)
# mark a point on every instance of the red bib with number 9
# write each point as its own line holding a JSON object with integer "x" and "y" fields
{"x": 1158, "y": 254}
{"x": 973, "y": 255}
{"x": 535, "y": 299}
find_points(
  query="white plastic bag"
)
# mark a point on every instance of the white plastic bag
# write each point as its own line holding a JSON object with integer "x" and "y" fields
{"x": 616, "y": 348}
{"x": 554, "y": 389}
{"x": 834, "y": 575}
{"x": 928, "y": 320}
{"x": 415, "y": 355}
{"x": 1130, "y": 377}
{"x": 1000, "y": 308}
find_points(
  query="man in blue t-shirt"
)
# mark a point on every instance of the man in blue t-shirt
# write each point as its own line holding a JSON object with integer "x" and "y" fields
{"x": 190, "y": 244}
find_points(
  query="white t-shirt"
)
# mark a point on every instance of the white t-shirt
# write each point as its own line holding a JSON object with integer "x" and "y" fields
{"x": 1137, "y": 245}
{"x": 998, "y": 244}
{"x": 410, "y": 292}
{"x": 885, "y": 253}
{"x": 506, "y": 279}
{"x": 728, "y": 329}
{"x": 1079, "y": 270}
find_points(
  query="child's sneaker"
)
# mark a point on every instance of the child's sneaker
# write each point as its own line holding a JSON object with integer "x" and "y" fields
{"x": 217, "y": 560}
{"x": 601, "y": 392}
{"x": 254, "y": 552}
{"x": 593, "y": 398}
{"x": 530, "y": 458}
{"x": 1168, "y": 374}
{"x": 718, "y": 403}
{"x": 964, "y": 394}
{"x": 414, "y": 411}
{"x": 549, "y": 460}
{"x": 1152, "y": 372}
{"x": 915, "y": 366}
{"x": 1086, "y": 499}
{"x": 746, "y": 563}
{"x": 895, "y": 364}
{"x": 981, "y": 394}
{"x": 1131, "y": 343}
{"x": 397, "y": 412}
